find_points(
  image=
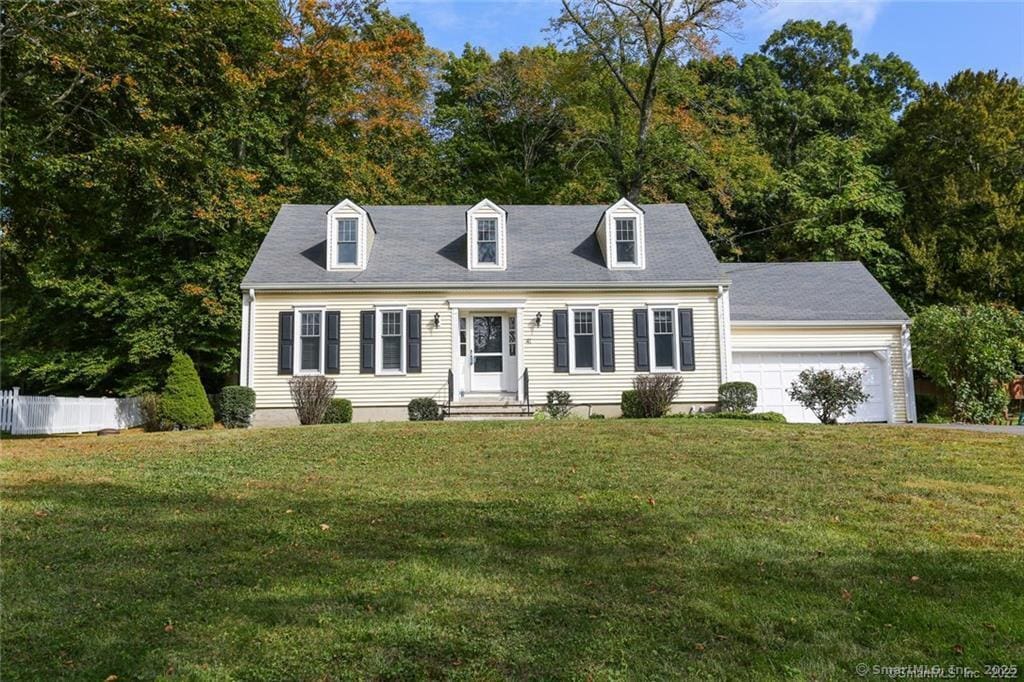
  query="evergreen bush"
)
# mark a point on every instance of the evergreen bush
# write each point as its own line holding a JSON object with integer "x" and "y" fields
{"x": 338, "y": 412}
{"x": 737, "y": 396}
{"x": 183, "y": 404}
{"x": 424, "y": 410}
{"x": 236, "y": 405}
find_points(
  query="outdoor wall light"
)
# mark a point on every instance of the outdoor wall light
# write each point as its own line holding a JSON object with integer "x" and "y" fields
{"x": 536, "y": 320}
{"x": 437, "y": 320}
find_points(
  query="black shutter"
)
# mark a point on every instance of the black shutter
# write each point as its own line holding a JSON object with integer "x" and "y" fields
{"x": 285, "y": 342}
{"x": 606, "y": 321}
{"x": 332, "y": 343}
{"x": 686, "y": 340}
{"x": 561, "y": 318}
{"x": 367, "y": 329}
{"x": 413, "y": 342}
{"x": 641, "y": 354}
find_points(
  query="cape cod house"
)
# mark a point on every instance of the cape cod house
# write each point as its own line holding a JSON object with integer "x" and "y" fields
{"x": 489, "y": 304}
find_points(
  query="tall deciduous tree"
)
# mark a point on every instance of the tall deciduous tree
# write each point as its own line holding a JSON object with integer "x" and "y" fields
{"x": 633, "y": 40}
{"x": 961, "y": 158}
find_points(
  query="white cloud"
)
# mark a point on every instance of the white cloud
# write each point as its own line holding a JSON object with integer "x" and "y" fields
{"x": 859, "y": 15}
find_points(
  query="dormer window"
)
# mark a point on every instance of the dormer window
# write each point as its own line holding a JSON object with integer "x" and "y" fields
{"x": 621, "y": 236}
{"x": 348, "y": 241}
{"x": 350, "y": 234}
{"x": 486, "y": 238}
{"x": 625, "y": 241}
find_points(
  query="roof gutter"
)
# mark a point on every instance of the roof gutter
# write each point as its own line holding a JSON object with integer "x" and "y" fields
{"x": 407, "y": 286}
{"x": 817, "y": 323}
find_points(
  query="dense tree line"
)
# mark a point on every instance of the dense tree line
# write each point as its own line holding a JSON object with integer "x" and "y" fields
{"x": 147, "y": 146}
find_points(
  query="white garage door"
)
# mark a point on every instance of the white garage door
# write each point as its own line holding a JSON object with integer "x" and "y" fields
{"x": 773, "y": 372}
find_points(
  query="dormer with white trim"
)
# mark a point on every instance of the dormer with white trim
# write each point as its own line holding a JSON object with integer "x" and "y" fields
{"x": 621, "y": 236}
{"x": 486, "y": 237}
{"x": 350, "y": 235}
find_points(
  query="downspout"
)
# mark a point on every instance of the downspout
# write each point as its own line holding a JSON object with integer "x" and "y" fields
{"x": 724, "y": 333}
{"x": 908, "y": 373}
{"x": 252, "y": 336}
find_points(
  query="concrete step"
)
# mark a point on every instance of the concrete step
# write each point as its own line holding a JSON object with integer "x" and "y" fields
{"x": 488, "y": 417}
{"x": 493, "y": 410}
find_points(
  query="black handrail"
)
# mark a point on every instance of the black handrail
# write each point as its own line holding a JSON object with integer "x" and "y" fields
{"x": 526, "y": 388}
{"x": 451, "y": 392}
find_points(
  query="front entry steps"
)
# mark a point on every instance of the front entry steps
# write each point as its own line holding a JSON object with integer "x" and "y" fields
{"x": 480, "y": 410}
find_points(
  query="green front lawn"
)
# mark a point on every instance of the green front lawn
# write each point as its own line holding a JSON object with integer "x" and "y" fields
{"x": 604, "y": 549}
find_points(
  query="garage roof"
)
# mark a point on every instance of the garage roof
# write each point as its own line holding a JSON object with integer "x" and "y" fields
{"x": 833, "y": 291}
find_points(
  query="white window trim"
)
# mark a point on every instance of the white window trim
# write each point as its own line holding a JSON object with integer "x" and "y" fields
{"x": 596, "y": 369}
{"x": 337, "y": 240}
{"x": 623, "y": 208}
{"x": 379, "y": 339}
{"x": 297, "y": 335}
{"x": 675, "y": 339}
{"x": 487, "y": 209}
{"x": 364, "y": 236}
{"x": 497, "y": 243}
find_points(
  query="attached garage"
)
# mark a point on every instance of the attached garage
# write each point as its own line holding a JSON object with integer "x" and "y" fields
{"x": 787, "y": 317}
{"x": 773, "y": 372}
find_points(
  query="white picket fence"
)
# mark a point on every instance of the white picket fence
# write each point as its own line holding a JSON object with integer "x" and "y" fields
{"x": 24, "y": 415}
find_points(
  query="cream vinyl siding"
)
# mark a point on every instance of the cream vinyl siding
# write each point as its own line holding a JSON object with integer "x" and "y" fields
{"x": 746, "y": 339}
{"x": 535, "y": 343}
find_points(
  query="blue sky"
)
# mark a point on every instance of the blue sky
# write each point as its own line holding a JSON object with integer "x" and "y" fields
{"x": 939, "y": 37}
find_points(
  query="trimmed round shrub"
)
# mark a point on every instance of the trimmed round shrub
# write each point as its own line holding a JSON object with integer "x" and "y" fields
{"x": 236, "y": 405}
{"x": 338, "y": 412}
{"x": 631, "y": 407}
{"x": 424, "y": 410}
{"x": 596, "y": 416}
{"x": 184, "y": 404}
{"x": 737, "y": 396}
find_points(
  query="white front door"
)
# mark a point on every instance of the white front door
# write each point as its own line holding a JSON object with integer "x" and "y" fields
{"x": 488, "y": 352}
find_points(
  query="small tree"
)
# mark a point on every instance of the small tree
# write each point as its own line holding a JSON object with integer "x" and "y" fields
{"x": 655, "y": 393}
{"x": 828, "y": 394}
{"x": 559, "y": 404}
{"x": 311, "y": 395}
{"x": 184, "y": 404}
{"x": 971, "y": 352}
{"x": 737, "y": 396}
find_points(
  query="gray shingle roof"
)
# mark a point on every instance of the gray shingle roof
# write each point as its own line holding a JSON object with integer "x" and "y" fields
{"x": 808, "y": 292}
{"x": 427, "y": 244}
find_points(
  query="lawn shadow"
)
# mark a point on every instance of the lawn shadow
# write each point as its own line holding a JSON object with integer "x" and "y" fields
{"x": 268, "y": 582}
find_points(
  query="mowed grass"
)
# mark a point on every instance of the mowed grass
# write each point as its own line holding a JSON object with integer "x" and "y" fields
{"x": 609, "y": 550}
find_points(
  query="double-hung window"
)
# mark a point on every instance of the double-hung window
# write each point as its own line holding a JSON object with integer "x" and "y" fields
{"x": 348, "y": 249}
{"x": 310, "y": 341}
{"x": 392, "y": 341}
{"x": 663, "y": 328}
{"x": 625, "y": 241}
{"x": 487, "y": 240}
{"x": 584, "y": 340}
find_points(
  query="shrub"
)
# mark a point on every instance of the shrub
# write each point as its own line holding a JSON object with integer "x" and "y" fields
{"x": 339, "y": 411}
{"x": 541, "y": 415}
{"x": 183, "y": 404}
{"x": 971, "y": 352}
{"x": 236, "y": 405}
{"x": 559, "y": 404}
{"x": 630, "y": 405}
{"x": 149, "y": 404}
{"x": 929, "y": 408}
{"x": 655, "y": 393}
{"x": 424, "y": 410}
{"x": 827, "y": 393}
{"x": 737, "y": 396}
{"x": 596, "y": 416}
{"x": 311, "y": 395}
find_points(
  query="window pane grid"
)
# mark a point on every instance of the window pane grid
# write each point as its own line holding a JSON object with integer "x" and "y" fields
{"x": 663, "y": 322}
{"x": 584, "y": 322}
{"x": 583, "y": 339}
{"x": 391, "y": 324}
{"x": 310, "y": 324}
{"x": 512, "y": 336}
{"x": 664, "y": 339}
{"x": 347, "y": 230}
{"x": 624, "y": 229}
{"x": 487, "y": 240}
